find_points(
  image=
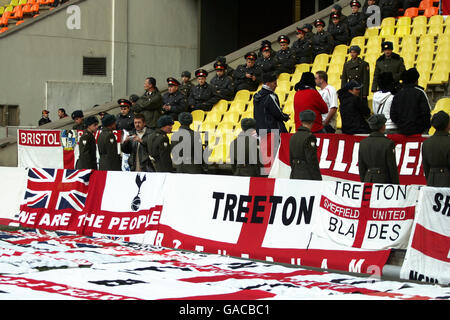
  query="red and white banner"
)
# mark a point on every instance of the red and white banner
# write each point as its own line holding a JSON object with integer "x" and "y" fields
{"x": 369, "y": 216}
{"x": 428, "y": 255}
{"x": 50, "y": 148}
{"x": 13, "y": 183}
{"x": 338, "y": 157}
{"x": 257, "y": 218}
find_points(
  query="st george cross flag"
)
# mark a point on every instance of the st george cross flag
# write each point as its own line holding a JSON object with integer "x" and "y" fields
{"x": 54, "y": 198}
{"x": 365, "y": 215}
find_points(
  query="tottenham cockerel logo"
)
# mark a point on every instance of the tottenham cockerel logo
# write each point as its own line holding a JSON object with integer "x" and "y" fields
{"x": 136, "y": 203}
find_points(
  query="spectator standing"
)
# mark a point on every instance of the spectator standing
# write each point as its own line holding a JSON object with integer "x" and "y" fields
{"x": 303, "y": 150}
{"x": 150, "y": 103}
{"x": 357, "y": 69}
{"x": 436, "y": 153}
{"x": 44, "y": 119}
{"x": 87, "y": 146}
{"x": 353, "y": 111}
{"x": 307, "y": 98}
{"x": 329, "y": 95}
{"x": 267, "y": 111}
{"x": 125, "y": 118}
{"x": 388, "y": 62}
{"x": 410, "y": 109}
{"x": 382, "y": 100}
{"x": 203, "y": 96}
{"x": 159, "y": 145}
{"x": 376, "y": 155}
{"x": 247, "y": 76}
{"x": 174, "y": 101}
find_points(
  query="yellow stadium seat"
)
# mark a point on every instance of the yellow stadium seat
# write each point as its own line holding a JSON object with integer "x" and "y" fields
{"x": 358, "y": 41}
{"x": 439, "y": 75}
{"x": 282, "y": 94}
{"x": 250, "y": 107}
{"x": 442, "y": 104}
{"x": 227, "y": 126}
{"x": 409, "y": 43}
{"x": 426, "y": 41}
{"x": 335, "y": 68}
{"x": 372, "y": 57}
{"x": 213, "y": 117}
{"x": 374, "y": 45}
{"x": 247, "y": 114}
{"x": 340, "y": 49}
{"x": 404, "y": 21}
{"x": 338, "y": 120}
{"x": 176, "y": 126}
{"x": 403, "y": 31}
{"x": 219, "y": 153}
{"x": 436, "y": 29}
{"x": 221, "y": 106}
{"x": 195, "y": 125}
{"x": 198, "y": 115}
{"x": 321, "y": 59}
{"x": 284, "y": 77}
{"x": 302, "y": 67}
{"x": 243, "y": 95}
{"x": 394, "y": 39}
{"x": 237, "y": 106}
{"x": 371, "y": 32}
{"x": 284, "y": 85}
{"x": 420, "y": 20}
{"x": 231, "y": 116}
{"x": 387, "y": 31}
{"x": 390, "y": 21}
{"x": 208, "y": 126}
{"x": 419, "y": 30}
{"x": 296, "y": 78}
{"x": 437, "y": 19}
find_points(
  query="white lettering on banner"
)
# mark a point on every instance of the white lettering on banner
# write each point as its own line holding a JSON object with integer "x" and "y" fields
{"x": 324, "y": 264}
{"x": 199, "y": 248}
{"x": 296, "y": 261}
{"x": 338, "y": 165}
{"x": 39, "y": 138}
{"x": 355, "y": 266}
{"x": 324, "y": 163}
{"x": 408, "y": 159}
{"x": 354, "y": 165}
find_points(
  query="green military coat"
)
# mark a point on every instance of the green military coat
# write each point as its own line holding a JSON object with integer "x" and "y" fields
{"x": 436, "y": 159}
{"x": 87, "y": 147}
{"x": 358, "y": 70}
{"x": 303, "y": 155}
{"x": 159, "y": 149}
{"x": 394, "y": 64}
{"x": 107, "y": 148}
{"x": 245, "y": 155}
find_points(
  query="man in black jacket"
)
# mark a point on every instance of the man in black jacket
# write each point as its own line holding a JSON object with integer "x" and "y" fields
{"x": 125, "y": 119}
{"x": 266, "y": 59}
{"x": 410, "y": 109}
{"x": 174, "y": 102}
{"x": 322, "y": 40}
{"x": 338, "y": 30}
{"x": 247, "y": 76}
{"x": 203, "y": 96}
{"x": 356, "y": 21}
{"x": 284, "y": 58}
{"x": 45, "y": 119}
{"x": 267, "y": 111}
{"x": 389, "y": 8}
{"x": 222, "y": 83}
{"x": 302, "y": 48}
{"x": 87, "y": 146}
{"x": 353, "y": 111}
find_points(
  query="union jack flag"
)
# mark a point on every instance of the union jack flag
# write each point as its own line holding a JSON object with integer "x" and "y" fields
{"x": 57, "y": 189}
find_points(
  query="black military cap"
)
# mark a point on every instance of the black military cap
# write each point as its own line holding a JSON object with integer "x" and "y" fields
{"x": 284, "y": 39}
{"x": 90, "y": 120}
{"x": 77, "y": 114}
{"x": 300, "y": 30}
{"x": 387, "y": 45}
{"x": 440, "y": 120}
{"x": 410, "y": 76}
{"x": 307, "y": 116}
{"x": 250, "y": 55}
{"x": 265, "y": 45}
{"x": 319, "y": 22}
{"x": 248, "y": 123}
{"x": 165, "y": 121}
{"x": 124, "y": 103}
{"x": 108, "y": 120}
{"x": 201, "y": 73}
{"x": 134, "y": 98}
{"x": 269, "y": 77}
{"x": 185, "y": 118}
{"x": 218, "y": 65}
{"x": 355, "y": 48}
{"x": 172, "y": 81}
{"x": 186, "y": 74}
{"x": 355, "y": 3}
{"x": 376, "y": 121}
{"x": 335, "y": 15}
{"x": 353, "y": 84}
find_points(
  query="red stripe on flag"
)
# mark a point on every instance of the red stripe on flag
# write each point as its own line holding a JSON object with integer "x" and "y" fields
{"x": 431, "y": 243}
{"x": 69, "y": 159}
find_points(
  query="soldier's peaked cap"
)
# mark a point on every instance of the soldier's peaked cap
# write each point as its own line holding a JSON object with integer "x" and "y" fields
{"x": 201, "y": 73}
{"x": 171, "y": 81}
{"x": 355, "y": 3}
{"x": 250, "y": 55}
{"x": 284, "y": 39}
{"x": 319, "y": 22}
{"x": 124, "y": 103}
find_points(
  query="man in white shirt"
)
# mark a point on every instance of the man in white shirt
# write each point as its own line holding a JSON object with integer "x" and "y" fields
{"x": 329, "y": 95}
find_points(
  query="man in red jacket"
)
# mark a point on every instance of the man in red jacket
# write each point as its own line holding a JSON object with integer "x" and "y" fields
{"x": 308, "y": 98}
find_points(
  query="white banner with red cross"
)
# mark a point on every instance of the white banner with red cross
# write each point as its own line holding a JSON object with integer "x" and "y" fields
{"x": 368, "y": 216}
{"x": 428, "y": 255}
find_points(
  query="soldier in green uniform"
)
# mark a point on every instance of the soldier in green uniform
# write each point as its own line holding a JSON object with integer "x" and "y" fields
{"x": 150, "y": 103}
{"x": 87, "y": 146}
{"x": 245, "y": 154}
{"x": 78, "y": 118}
{"x": 388, "y": 62}
{"x": 436, "y": 152}
{"x": 357, "y": 69}
{"x": 159, "y": 145}
{"x": 107, "y": 146}
{"x": 187, "y": 147}
{"x": 376, "y": 156}
{"x": 303, "y": 150}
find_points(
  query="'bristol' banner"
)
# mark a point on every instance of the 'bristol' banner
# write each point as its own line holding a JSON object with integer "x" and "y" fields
{"x": 428, "y": 255}
{"x": 338, "y": 157}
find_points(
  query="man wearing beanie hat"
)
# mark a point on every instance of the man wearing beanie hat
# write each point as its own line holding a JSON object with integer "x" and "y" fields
{"x": 303, "y": 150}
{"x": 107, "y": 146}
{"x": 267, "y": 109}
{"x": 376, "y": 155}
{"x": 247, "y": 76}
{"x": 159, "y": 145}
{"x": 410, "y": 109}
{"x": 284, "y": 58}
{"x": 87, "y": 146}
{"x": 436, "y": 152}
{"x": 150, "y": 103}
{"x": 187, "y": 147}
{"x": 245, "y": 154}
{"x": 389, "y": 61}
